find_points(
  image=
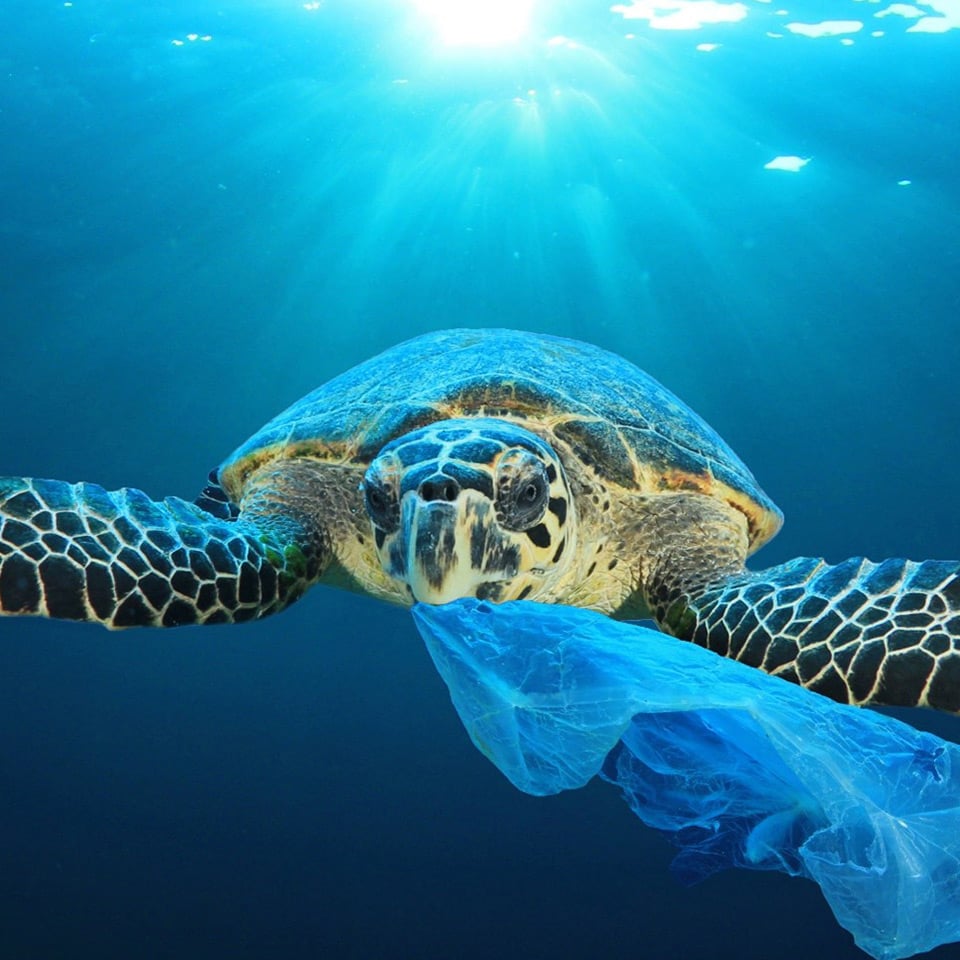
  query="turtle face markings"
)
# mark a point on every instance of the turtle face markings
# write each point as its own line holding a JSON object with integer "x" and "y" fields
{"x": 470, "y": 508}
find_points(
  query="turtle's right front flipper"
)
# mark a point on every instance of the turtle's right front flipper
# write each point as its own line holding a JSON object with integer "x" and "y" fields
{"x": 79, "y": 552}
{"x": 858, "y": 632}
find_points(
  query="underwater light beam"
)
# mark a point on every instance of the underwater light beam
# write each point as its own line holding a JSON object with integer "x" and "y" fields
{"x": 478, "y": 23}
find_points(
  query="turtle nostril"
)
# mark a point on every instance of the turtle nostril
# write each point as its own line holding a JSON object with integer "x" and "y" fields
{"x": 439, "y": 488}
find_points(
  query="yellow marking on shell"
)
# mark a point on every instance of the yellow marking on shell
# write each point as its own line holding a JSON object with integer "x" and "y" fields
{"x": 762, "y": 524}
{"x": 233, "y": 477}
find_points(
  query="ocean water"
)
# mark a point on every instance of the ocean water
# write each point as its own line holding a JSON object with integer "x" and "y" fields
{"x": 207, "y": 209}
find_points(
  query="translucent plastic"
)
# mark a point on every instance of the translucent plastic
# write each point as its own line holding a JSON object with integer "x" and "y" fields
{"x": 740, "y": 768}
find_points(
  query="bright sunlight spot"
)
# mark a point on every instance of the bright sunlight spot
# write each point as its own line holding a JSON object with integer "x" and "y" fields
{"x": 478, "y": 23}
{"x": 789, "y": 163}
{"x": 826, "y": 28}
{"x": 681, "y": 14}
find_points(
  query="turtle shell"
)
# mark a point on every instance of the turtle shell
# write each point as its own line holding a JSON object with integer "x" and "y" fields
{"x": 635, "y": 434}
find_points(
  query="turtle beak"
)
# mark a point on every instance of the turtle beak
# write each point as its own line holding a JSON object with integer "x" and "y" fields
{"x": 430, "y": 561}
{"x": 443, "y": 543}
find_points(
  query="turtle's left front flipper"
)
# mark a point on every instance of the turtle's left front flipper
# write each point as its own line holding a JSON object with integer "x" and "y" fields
{"x": 79, "y": 552}
{"x": 858, "y": 632}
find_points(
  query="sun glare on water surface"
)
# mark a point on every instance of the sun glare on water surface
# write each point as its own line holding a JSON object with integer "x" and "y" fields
{"x": 477, "y": 23}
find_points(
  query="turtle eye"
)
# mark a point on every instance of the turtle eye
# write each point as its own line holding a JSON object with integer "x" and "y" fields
{"x": 530, "y": 493}
{"x": 380, "y": 499}
{"x": 523, "y": 494}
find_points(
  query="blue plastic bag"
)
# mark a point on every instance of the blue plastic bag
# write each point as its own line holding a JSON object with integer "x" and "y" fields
{"x": 740, "y": 768}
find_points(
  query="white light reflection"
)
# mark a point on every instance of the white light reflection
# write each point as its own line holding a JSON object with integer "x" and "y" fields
{"x": 931, "y": 16}
{"x": 478, "y": 23}
{"x": 826, "y": 28}
{"x": 790, "y": 164}
{"x": 681, "y": 14}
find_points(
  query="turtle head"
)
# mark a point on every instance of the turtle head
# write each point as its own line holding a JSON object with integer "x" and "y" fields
{"x": 470, "y": 508}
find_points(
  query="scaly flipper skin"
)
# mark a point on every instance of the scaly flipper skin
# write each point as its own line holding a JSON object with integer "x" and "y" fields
{"x": 858, "y": 632}
{"x": 79, "y": 552}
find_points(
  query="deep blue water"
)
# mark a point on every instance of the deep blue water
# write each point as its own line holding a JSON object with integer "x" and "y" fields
{"x": 194, "y": 234}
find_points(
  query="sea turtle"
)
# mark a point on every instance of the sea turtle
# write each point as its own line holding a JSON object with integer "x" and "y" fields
{"x": 502, "y": 465}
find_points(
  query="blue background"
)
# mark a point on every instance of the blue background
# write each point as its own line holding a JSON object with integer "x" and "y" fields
{"x": 194, "y": 235}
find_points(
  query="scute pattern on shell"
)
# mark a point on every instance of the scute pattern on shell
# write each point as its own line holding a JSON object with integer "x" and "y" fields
{"x": 628, "y": 427}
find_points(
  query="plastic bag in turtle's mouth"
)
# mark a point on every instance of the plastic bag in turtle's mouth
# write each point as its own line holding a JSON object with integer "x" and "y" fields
{"x": 740, "y": 768}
